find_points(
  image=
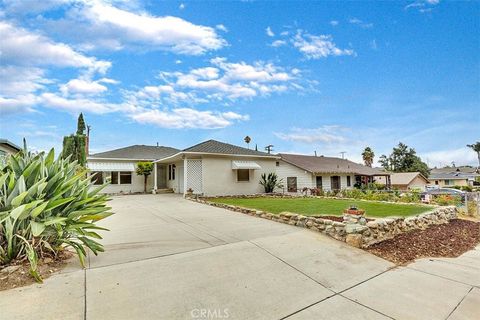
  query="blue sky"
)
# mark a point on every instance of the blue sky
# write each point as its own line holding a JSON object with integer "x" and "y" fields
{"x": 303, "y": 76}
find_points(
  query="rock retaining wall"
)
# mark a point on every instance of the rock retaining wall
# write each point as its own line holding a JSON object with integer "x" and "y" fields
{"x": 354, "y": 230}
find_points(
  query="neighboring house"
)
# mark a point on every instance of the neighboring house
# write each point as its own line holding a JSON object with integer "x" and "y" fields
{"x": 215, "y": 168}
{"x": 327, "y": 173}
{"x": 406, "y": 181}
{"x": 118, "y": 167}
{"x": 6, "y": 148}
{"x": 453, "y": 179}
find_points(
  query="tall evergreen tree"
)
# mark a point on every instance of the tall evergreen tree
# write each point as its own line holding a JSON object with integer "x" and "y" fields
{"x": 74, "y": 145}
{"x": 81, "y": 124}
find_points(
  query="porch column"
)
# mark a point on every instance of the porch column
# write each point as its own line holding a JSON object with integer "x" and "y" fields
{"x": 155, "y": 177}
{"x": 185, "y": 178}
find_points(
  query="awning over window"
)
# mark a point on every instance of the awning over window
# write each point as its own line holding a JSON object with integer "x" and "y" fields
{"x": 111, "y": 166}
{"x": 245, "y": 165}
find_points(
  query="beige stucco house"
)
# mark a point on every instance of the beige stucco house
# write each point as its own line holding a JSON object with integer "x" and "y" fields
{"x": 215, "y": 168}
{"x": 327, "y": 173}
{"x": 118, "y": 167}
{"x": 406, "y": 181}
{"x": 6, "y": 148}
{"x": 453, "y": 179}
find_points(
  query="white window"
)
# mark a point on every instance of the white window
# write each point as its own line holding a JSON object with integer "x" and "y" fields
{"x": 243, "y": 175}
{"x": 121, "y": 177}
{"x": 125, "y": 177}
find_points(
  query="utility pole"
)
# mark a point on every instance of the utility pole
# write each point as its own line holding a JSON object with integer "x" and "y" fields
{"x": 269, "y": 148}
{"x": 343, "y": 154}
{"x": 87, "y": 145}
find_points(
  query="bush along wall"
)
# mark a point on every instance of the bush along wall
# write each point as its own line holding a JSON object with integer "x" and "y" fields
{"x": 47, "y": 205}
{"x": 354, "y": 229}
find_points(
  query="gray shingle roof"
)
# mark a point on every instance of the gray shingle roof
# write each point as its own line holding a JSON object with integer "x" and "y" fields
{"x": 137, "y": 152}
{"x": 329, "y": 165}
{"x": 213, "y": 146}
{"x": 452, "y": 176}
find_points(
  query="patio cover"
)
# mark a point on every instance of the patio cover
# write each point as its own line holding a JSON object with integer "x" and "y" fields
{"x": 111, "y": 166}
{"x": 245, "y": 165}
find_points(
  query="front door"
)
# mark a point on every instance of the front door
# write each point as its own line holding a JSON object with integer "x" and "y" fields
{"x": 180, "y": 179}
{"x": 335, "y": 182}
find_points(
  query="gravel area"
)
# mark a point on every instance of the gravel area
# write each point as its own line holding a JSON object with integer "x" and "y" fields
{"x": 445, "y": 240}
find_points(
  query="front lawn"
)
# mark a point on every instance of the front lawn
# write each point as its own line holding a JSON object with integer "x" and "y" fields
{"x": 316, "y": 206}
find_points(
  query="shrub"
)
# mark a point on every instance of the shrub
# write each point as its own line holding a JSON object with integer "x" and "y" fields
{"x": 447, "y": 200}
{"x": 45, "y": 206}
{"x": 270, "y": 182}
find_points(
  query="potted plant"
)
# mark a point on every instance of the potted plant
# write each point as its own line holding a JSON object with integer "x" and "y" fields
{"x": 353, "y": 209}
{"x": 189, "y": 191}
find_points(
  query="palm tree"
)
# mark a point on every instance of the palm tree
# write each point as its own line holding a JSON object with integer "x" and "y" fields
{"x": 247, "y": 140}
{"x": 476, "y": 147}
{"x": 368, "y": 156}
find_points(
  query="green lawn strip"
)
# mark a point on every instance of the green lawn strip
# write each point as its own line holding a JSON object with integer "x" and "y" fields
{"x": 315, "y": 206}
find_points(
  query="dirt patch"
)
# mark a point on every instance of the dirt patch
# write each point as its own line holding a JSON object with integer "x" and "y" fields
{"x": 444, "y": 240}
{"x": 17, "y": 275}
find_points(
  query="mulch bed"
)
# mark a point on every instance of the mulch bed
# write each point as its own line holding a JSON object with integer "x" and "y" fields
{"x": 444, "y": 240}
{"x": 17, "y": 273}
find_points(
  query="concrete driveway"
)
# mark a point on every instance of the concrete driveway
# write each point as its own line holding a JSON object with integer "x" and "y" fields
{"x": 169, "y": 258}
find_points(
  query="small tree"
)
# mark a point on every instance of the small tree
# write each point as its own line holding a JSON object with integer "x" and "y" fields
{"x": 247, "y": 140}
{"x": 368, "y": 156}
{"x": 270, "y": 182}
{"x": 144, "y": 169}
{"x": 476, "y": 147}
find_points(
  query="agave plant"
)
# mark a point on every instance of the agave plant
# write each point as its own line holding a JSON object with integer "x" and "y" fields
{"x": 47, "y": 205}
{"x": 270, "y": 182}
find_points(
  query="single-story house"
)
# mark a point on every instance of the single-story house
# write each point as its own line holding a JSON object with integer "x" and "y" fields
{"x": 453, "y": 179}
{"x": 214, "y": 168}
{"x": 6, "y": 148}
{"x": 327, "y": 173}
{"x": 118, "y": 167}
{"x": 405, "y": 181}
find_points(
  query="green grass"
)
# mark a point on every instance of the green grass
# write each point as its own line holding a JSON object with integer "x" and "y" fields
{"x": 316, "y": 206}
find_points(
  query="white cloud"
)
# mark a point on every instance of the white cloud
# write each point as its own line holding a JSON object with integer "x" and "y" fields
{"x": 221, "y": 27}
{"x": 222, "y": 81}
{"x": 81, "y": 104}
{"x": 422, "y": 6}
{"x": 373, "y": 44}
{"x": 278, "y": 43}
{"x": 102, "y": 25}
{"x": 324, "y": 134}
{"x": 82, "y": 86}
{"x": 269, "y": 32}
{"x": 15, "y": 80}
{"x": 334, "y": 23}
{"x": 461, "y": 156}
{"x": 17, "y": 104}
{"x": 187, "y": 118}
{"x": 316, "y": 47}
{"x": 22, "y": 47}
{"x": 360, "y": 23}
{"x": 181, "y": 6}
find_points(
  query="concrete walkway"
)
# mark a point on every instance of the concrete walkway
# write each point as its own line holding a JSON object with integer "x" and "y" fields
{"x": 169, "y": 258}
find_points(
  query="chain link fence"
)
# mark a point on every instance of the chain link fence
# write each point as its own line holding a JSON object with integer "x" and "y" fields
{"x": 471, "y": 205}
